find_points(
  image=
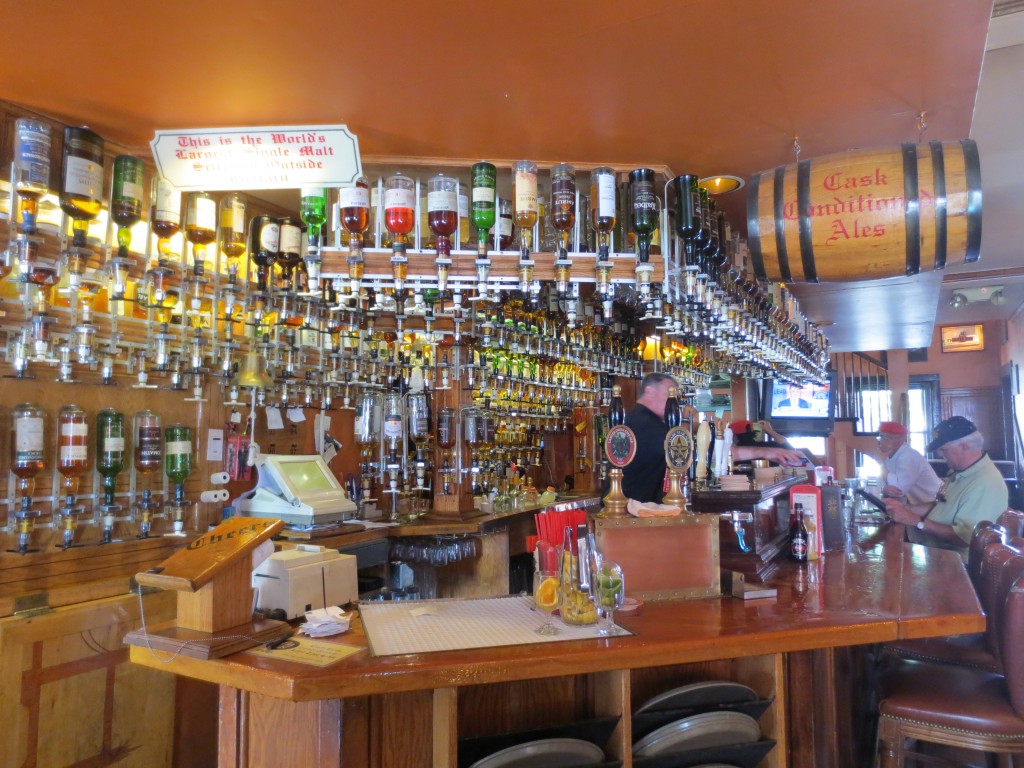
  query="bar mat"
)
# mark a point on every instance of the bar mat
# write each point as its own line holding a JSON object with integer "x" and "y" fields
{"x": 427, "y": 626}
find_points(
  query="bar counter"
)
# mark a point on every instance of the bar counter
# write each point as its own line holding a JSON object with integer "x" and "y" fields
{"x": 411, "y": 710}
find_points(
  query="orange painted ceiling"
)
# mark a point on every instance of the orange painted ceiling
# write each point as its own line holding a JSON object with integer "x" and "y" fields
{"x": 702, "y": 87}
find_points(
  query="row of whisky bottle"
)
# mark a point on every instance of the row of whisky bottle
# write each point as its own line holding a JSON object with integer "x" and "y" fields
{"x": 152, "y": 448}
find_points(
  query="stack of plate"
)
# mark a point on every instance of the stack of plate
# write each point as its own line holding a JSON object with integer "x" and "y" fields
{"x": 545, "y": 753}
{"x": 706, "y": 730}
{"x": 704, "y": 694}
{"x": 734, "y": 482}
{"x": 711, "y": 729}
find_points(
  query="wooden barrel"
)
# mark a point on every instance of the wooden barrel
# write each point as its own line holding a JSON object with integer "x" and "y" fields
{"x": 866, "y": 214}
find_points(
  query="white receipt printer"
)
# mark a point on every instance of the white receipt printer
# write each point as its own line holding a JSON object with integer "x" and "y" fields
{"x": 307, "y": 577}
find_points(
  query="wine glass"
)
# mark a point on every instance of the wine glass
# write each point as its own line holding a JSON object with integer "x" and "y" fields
{"x": 545, "y": 597}
{"x": 611, "y": 591}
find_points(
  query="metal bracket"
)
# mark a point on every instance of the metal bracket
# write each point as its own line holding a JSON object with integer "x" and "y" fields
{"x": 32, "y": 605}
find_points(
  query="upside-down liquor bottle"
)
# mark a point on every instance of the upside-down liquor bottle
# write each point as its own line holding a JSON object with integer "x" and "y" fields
{"x": 164, "y": 216}
{"x": 602, "y": 218}
{"x": 563, "y": 218}
{"x": 264, "y": 245}
{"x": 72, "y": 462}
{"x": 110, "y": 445}
{"x": 484, "y": 206}
{"x": 526, "y": 213}
{"x": 231, "y": 231}
{"x": 313, "y": 212}
{"x": 31, "y": 169}
{"x": 200, "y": 228}
{"x": 399, "y": 218}
{"x": 148, "y": 458}
{"x": 443, "y": 219}
{"x": 126, "y": 199}
{"x": 354, "y": 206}
{"x": 645, "y": 221}
{"x": 81, "y": 189}
{"x": 178, "y": 459}
{"x": 27, "y": 461}
{"x": 290, "y": 251}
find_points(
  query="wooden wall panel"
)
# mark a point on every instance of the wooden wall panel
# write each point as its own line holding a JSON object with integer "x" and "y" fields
{"x": 983, "y": 406}
{"x": 70, "y": 695}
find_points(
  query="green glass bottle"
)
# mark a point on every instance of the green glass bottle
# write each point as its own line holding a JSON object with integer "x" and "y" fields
{"x": 126, "y": 199}
{"x": 178, "y": 458}
{"x": 313, "y": 210}
{"x": 645, "y": 210}
{"x": 482, "y": 210}
{"x": 110, "y": 446}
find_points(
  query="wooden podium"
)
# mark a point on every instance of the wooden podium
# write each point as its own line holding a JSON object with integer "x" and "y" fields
{"x": 213, "y": 578}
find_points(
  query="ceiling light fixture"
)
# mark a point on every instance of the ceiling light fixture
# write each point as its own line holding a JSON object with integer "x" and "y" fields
{"x": 963, "y": 296}
{"x": 720, "y": 185}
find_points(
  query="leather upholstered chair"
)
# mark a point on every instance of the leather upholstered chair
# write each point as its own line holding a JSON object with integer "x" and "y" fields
{"x": 925, "y": 704}
{"x": 1013, "y": 521}
{"x": 974, "y": 650}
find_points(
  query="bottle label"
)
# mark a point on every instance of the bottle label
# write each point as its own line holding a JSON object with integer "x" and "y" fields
{"x": 393, "y": 427}
{"x": 131, "y": 190}
{"x": 606, "y": 196}
{"x": 168, "y": 203}
{"x": 291, "y": 238}
{"x": 442, "y": 201}
{"x": 643, "y": 196}
{"x": 399, "y": 198}
{"x": 113, "y": 444}
{"x": 798, "y": 547}
{"x": 232, "y": 218}
{"x": 149, "y": 444}
{"x": 28, "y": 438}
{"x": 83, "y": 177}
{"x": 463, "y": 206}
{"x": 178, "y": 447}
{"x": 270, "y": 237}
{"x": 202, "y": 214}
{"x": 354, "y": 197}
{"x": 505, "y": 227}
{"x": 526, "y": 191}
{"x": 32, "y": 153}
{"x": 74, "y": 429}
{"x": 69, "y": 453}
{"x": 483, "y": 195}
{"x": 312, "y": 192}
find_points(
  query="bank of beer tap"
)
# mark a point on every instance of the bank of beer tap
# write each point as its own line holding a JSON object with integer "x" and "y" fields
{"x": 405, "y": 301}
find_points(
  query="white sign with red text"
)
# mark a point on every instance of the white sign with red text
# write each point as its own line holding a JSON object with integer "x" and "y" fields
{"x": 271, "y": 157}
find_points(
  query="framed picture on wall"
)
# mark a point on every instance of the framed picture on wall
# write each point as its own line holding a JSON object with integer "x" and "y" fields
{"x": 963, "y": 338}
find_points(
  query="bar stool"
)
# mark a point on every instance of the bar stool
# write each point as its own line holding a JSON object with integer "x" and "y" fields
{"x": 958, "y": 707}
{"x": 974, "y": 650}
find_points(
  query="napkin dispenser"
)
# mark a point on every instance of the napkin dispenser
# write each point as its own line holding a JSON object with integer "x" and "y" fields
{"x": 304, "y": 578}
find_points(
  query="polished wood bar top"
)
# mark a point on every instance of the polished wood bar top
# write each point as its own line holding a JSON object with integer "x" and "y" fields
{"x": 888, "y": 591}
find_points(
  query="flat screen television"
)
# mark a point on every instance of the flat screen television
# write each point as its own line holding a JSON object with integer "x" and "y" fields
{"x": 803, "y": 408}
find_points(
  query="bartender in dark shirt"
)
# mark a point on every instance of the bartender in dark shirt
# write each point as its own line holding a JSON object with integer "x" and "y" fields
{"x": 643, "y": 479}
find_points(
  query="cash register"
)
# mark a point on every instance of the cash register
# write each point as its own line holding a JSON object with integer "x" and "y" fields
{"x": 300, "y": 490}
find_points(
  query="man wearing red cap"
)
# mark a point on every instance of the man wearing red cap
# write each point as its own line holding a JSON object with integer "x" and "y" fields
{"x": 908, "y": 475}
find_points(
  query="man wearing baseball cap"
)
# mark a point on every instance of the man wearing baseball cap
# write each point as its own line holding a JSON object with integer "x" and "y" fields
{"x": 908, "y": 475}
{"x": 972, "y": 491}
